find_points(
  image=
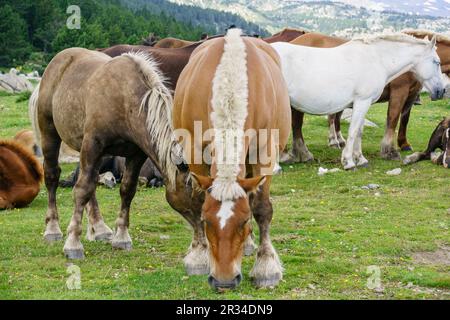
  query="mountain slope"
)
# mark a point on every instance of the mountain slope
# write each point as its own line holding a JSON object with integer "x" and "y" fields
{"x": 330, "y": 17}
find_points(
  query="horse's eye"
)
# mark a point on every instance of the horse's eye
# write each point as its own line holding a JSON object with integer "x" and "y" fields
{"x": 209, "y": 190}
{"x": 437, "y": 62}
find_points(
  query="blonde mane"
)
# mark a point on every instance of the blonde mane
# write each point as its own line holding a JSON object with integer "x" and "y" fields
{"x": 423, "y": 33}
{"x": 157, "y": 103}
{"x": 229, "y": 105}
{"x": 396, "y": 37}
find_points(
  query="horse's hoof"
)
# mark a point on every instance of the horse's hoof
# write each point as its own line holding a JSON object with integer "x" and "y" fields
{"x": 52, "y": 237}
{"x": 392, "y": 155}
{"x": 267, "y": 282}
{"x": 406, "y": 148}
{"x": 122, "y": 245}
{"x": 342, "y": 144}
{"x": 74, "y": 254}
{"x": 363, "y": 165}
{"x": 197, "y": 270}
{"x": 249, "y": 249}
{"x": 104, "y": 237}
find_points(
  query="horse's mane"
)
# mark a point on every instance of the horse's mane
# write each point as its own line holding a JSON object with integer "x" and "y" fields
{"x": 423, "y": 33}
{"x": 157, "y": 103}
{"x": 397, "y": 37}
{"x": 33, "y": 163}
{"x": 229, "y": 105}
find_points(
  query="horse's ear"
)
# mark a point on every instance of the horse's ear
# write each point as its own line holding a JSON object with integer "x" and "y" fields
{"x": 203, "y": 182}
{"x": 251, "y": 184}
{"x": 433, "y": 42}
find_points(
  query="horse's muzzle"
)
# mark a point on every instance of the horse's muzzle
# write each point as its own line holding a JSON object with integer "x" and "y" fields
{"x": 217, "y": 285}
{"x": 438, "y": 94}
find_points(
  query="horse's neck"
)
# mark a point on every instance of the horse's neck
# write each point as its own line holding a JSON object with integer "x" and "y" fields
{"x": 398, "y": 58}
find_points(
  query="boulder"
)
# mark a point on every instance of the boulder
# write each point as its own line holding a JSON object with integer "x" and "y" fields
{"x": 14, "y": 82}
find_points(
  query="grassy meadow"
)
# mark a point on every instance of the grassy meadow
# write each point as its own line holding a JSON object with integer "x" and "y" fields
{"x": 326, "y": 229}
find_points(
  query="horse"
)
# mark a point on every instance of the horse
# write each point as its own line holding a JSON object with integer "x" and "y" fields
{"x": 116, "y": 165}
{"x": 230, "y": 86}
{"x": 286, "y": 35}
{"x": 20, "y": 175}
{"x": 440, "y": 139}
{"x": 400, "y": 93}
{"x": 27, "y": 139}
{"x": 355, "y": 74}
{"x": 77, "y": 87}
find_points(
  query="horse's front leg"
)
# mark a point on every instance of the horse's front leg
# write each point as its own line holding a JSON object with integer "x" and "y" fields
{"x": 84, "y": 190}
{"x": 97, "y": 230}
{"x": 133, "y": 165}
{"x": 267, "y": 271}
{"x": 360, "y": 109}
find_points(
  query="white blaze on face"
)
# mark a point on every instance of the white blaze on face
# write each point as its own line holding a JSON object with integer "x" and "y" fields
{"x": 225, "y": 212}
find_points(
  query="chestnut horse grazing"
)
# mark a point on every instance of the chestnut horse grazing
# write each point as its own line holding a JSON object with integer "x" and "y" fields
{"x": 440, "y": 139}
{"x": 355, "y": 74}
{"x": 20, "y": 175}
{"x": 100, "y": 105}
{"x": 231, "y": 86}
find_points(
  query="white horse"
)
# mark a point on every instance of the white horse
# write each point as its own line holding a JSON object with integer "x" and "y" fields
{"x": 325, "y": 81}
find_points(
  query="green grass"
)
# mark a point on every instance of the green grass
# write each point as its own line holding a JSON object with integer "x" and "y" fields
{"x": 326, "y": 229}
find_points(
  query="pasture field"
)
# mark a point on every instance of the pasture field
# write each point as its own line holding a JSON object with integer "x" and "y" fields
{"x": 327, "y": 230}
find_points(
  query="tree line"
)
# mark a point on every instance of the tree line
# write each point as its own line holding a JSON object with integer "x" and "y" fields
{"x": 36, "y": 29}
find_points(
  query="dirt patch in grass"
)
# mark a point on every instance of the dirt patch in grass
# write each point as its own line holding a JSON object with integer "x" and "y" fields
{"x": 439, "y": 257}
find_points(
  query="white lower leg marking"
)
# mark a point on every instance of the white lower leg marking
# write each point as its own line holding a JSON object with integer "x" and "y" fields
{"x": 225, "y": 212}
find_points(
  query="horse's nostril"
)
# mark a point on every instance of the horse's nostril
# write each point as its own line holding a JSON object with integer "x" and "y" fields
{"x": 238, "y": 279}
{"x": 219, "y": 285}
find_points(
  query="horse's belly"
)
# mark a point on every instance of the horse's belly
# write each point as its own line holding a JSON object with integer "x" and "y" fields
{"x": 324, "y": 105}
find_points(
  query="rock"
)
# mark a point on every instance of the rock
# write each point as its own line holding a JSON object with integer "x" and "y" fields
{"x": 371, "y": 186}
{"x": 394, "y": 172}
{"x": 14, "y": 82}
{"x": 323, "y": 171}
{"x": 347, "y": 116}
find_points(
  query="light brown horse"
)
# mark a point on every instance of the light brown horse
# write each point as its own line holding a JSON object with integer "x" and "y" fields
{"x": 20, "y": 175}
{"x": 286, "y": 35}
{"x": 172, "y": 43}
{"x": 101, "y": 105}
{"x": 232, "y": 85}
{"x": 400, "y": 93}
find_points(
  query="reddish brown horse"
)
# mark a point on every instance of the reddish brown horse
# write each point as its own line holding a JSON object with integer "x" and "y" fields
{"x": 231, "y": 86}
{"x": 400, "y": 93}
{"x": 20, "y": 175}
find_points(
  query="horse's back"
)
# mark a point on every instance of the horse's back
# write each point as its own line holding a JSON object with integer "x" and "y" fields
{"x": 314, "y": 39}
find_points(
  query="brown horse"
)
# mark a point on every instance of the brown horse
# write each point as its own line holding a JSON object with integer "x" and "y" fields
{"x": 285, "y": 35}
{"x": 440, "y": 139}
{"x": 230, "y": 86}
{"x": 20, "y": 175}
{"x": 400, "y": 93}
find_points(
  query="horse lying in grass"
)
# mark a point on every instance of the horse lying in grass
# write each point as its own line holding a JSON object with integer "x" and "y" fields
{"x": 440, "y": 139}
{"x": 355, "y": 74}
{"x": 20, "y": 175}
{"x": 231, "y": 86}
{"x": 116, "y": 165}
{"x": 400, "y": 93}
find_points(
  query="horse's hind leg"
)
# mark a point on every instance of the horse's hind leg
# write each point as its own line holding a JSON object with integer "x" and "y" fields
{"x": 84, "y": 190}
{"x": 133, "y": 165}
{"x": 300, "y": 152}
{"x": 402, "y": 140}
{"x": 335, "y": 138}
{"x": 267, "y": 271}
{"x": 97, "y": 230}
{"x": 51, "y": 142}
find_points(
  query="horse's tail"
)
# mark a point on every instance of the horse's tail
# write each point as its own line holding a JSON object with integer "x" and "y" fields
{"x": 157, "y": 102}
{"x": 33, "y": 114}
{"x": 230, "y": 107}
